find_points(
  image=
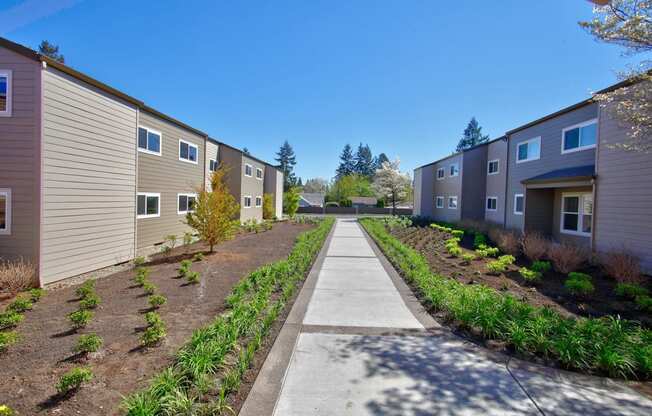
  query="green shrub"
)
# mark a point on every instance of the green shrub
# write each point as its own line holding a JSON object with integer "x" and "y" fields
{"x": 6, "y": 410}
{"x": 644, "y": 302}
{"x": 485, "y": 251}
{"x": 541, "y": 266}
{"x": 86, "y": 288}
{"x": 88, "y": 343}
{"x": 454, "y": 251}
{"x": 139, "y": 261}
{"x": 149, "y": 288}
{"x": 90, "y": 301}
{"x": 20, "y": 305}
{"x": 73, "y": 379}
{"x": 530, "y": 276}
{"x": 156, "y": 301}
{"x": 468, "y": 258}
{"x": 458, "y": 233}
{"x": 80, "y": 318}
{"x": 36, "y": 294}
{"x": 630, "y": 290}
{"x": 479, "y": 240}
{"x": 193, "y": 277}
{"x": 7, "y": 339}
{"x": 153, "y": 318}
{"x": 153, "y": 334}
{"x": 500, "y": 265}
{"x": 10, "y": 319}
{"x": 579, "y": 284}
{"x": 198, "y": 257}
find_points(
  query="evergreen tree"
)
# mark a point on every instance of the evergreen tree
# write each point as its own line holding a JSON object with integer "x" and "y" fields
{"x": 286, "y": 160}
{"x": 51, "y": 51}
{"x": 299, "y": 183}
{"x": 347, "y": 163}
{"x": 364, "y": 161}
{"x": 245, "y": 151}
{"x": 378, "y": 161}
{"x": 472, "y": 136}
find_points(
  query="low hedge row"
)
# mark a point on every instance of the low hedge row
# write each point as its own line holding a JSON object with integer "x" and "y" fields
{"x": 212, "y": 363}
{"x": 608, "y": 345}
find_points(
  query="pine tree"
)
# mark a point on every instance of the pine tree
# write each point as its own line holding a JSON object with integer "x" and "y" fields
{"x": 245, "y": 151}
{"x": 347, "y": 164}
{"x": 364, "y": 161}
{"x": 51, "y": 51}
{"x": 378, "y": 161}
{"x": 472, "y": 136}
{"x": 286, "y": 160}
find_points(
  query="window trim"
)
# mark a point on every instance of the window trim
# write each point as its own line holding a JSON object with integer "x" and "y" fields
{"x": 9, "y": 74}
{"x": 158, "y": 209}
{"x": 259, "y": 198}
{"x": 245, "y": 170}
{"x": 7, "y": 194}
{"x": 487, "y": 201}
{"x": 515, "y": 197}
{"x": 518, "y": 145}
{"x": 457, "y": 166}
{"x": 186, "y": 195}
{"x": 196, "y": 162}
{"x": 160, "y": 144}
{"x": 261, "y": 173}
{"x": 209, "y": 164}
{"x": 449, "y": 201}
{"x": 497, "y": 167}
{"x": 580, "y": 214}
{"x": 575, "y": 126}
{"x": 244, "y": 198}
{"x": 442, "y": 176}
{"x": 437, "y": 198}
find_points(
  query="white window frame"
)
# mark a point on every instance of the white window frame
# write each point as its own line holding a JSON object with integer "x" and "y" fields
{"x": 6, "y": 192}
{"x": 190, "y": 144}
{"x": 442, "y": 176}
{"x": 497, "y": 161}
{"x": 580, "y": 213}
{"x": 450, "y": 198}
{"x": 214, "y": 162}
{"x": 515, "y": 197}
{"x": 247, "y": 165}
{"x": 186, "y": 195}
{"x": 579, "y": 126}
{"x": 535, "y": 139}
{"x": 9, "y": 74}
{"x": 457, "y": 169}
{"x": 261, "y": 174}
{"x": 486, "y": 204}
{"x": 244, "y": 199}
{"x": 160, "y": 142}
{"x": 259, "y": 198}
{"x": 158, "y": 208}
{"x": 437, "y": 199}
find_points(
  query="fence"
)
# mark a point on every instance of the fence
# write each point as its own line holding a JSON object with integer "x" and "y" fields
{"x": 354, "y": 210}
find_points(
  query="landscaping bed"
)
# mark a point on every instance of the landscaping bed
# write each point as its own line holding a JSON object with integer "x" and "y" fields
{"x": 32, "y": 367}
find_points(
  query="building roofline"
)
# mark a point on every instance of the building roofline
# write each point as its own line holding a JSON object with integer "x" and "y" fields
{"x": 220, "y": 143}
{"x": 461, "y": 152}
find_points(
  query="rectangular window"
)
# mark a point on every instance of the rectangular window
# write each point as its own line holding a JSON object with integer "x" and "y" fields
{"x": 519, "y": 204}
{"x": 5, "y": 92}
{"x": 148, "y": 205}
{"x": 452, "y": 202}
{"x": 576, "y": 213}
{"x": 528, "y": 150}
{"x": 212, "y": 165}
{"x": 259, "y": 173}
{"x": 149, "y": 141}
{"x": 492, "y": 167}
{"x": 247, "y": 202}
{"x": 440, "y": 202}
{"x": 454, "y": 169}
{"x": 5, "y": 211}
{"x": 248, "y": 170}
{"x": 259, "y": 201}
{"x": 440, "y": 173}
{"x": 579, "y": 137}
{"x": 187, "y": 152}
{"x": 492, "y": 203}
{"x": 186, "y": 203}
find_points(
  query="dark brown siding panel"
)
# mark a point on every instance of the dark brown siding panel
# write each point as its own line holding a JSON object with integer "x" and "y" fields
{"x": 474, "y": 183}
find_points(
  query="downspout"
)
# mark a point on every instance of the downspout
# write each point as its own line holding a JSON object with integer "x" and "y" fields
{"x": 40, "y": 180}
{"x": 136, "y": 185}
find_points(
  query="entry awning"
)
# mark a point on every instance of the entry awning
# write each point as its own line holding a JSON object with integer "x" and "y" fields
{"x": 575, "y": 176}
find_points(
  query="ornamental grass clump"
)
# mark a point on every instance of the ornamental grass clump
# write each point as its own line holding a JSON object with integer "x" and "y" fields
{"x": 579, "y": 284}
{"x": 567, "y": 258}
{"x": 73, "y": 380}
{"x": 624, "y": 267}
{"x": 88, "y": 343}
{"x": 534, "y": 246}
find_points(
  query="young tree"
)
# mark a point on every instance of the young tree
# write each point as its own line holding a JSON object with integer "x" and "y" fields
{"x": 391, "y": 183}
{"x": 286, "y": 160}
{"x": 628, "y": 23}
{"x": 291, "y": 201}
{"x": 51, "y": 51}
{"x": 215, "y": 212}
{"x": 316, "y": 185}
{"x": 347, "y": 164}
{"x": 472, "y": 136}
{"x": 364, "y": 161}
{"x": 268, "y": 206}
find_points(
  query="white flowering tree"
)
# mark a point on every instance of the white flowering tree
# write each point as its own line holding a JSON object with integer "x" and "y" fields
{"x": 391, "y": 184}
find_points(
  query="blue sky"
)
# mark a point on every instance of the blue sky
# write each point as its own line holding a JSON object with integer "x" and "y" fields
{"x": 403, "y": 76}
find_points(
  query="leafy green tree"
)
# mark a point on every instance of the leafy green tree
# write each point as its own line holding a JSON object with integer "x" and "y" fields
{"x": 472, "y": 136}
{"x": 350, "y": 186}
{"x": 291, "y": 201}
{"x": 287, "y": 160}
{"x": 51, "y": 51}
{"x": 268, "y": 206}
{"x": 347, "y": 163}
{"x": 364, "y": 161}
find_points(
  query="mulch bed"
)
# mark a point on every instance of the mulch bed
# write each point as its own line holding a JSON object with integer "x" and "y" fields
{"x": 30, "y": 369}
{"x": 550, "y": 291}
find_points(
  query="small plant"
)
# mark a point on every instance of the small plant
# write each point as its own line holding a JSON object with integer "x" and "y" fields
{"x": 165, "y": 250}
{"x": 534, "y": 246}
{"x": 198, "y": 257}
{"x": 187, "y": 238}
{"x": 10, "y": 319}
{"x": 6, "y": 411}
{"x": 479, "y": 240}
{"x": 73, "y": 379}
{"x": 530, "y": 276}
{"x": 644, "y": 302}
{"x": 454, "y": 251}
{"x": 184, "y": 267}
{"x": 149, "y": 288}
{"x": 500, "y": 265}
{"x": 457, "y": 233}
{"x": 630, "y": 290}
{"x": 171, "y": 239}
{"x": 141, "y": 276}
{"x": 36, "y": 294}
{"x": 193, "y": 277}
{"x": 579, "y": 284}
{"x": 139, "y": 261}
{"x": 468, "y": 258}
{"x": 486, "y": 251}
{"x": 153, "y": 334}
{"x": 89, "y": 301}
{"x": 80, "y": 318}
{"x": 567, "y": 258}
{"x": 20, "y": 305}
{"x": 88, "y": 343}
{"x": 623, "y": 267}
{"x": 156, "y": 301}
{"x": 7, "y": 339}
{"x": 153, "y": 318}
{"x": 541, "y": 266}
{"x": 86, "y": 288}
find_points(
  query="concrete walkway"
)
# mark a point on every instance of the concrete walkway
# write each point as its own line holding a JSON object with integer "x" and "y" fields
{"x": 357, "y": 343}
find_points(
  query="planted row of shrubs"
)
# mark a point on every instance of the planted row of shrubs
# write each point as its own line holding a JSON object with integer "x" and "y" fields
{"x": 611, "y": 346}
{"x": 14, "y": 314}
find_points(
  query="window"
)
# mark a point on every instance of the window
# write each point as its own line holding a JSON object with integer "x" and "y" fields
{"x": 528, "y": 150}
{"x": 454, "y": 169}
{"x": 186, "y": 203}
{"x": 452, "y": 202}
{"x": 5, "y": 92}
{"x": 149, "y": 141}
{"x": 5, "y": 211}
{"x": 248, "y": 170}
{"x": 440, "y": 174}
{"x": 149, "y": 205}
{"x": 579, "y": 137}
{"x": 519, "y": 204}
{"x": 259, "y": 173}
{"x": 247, "y": 202}
{"x": 259, "y": 201}
{"x": 576, "y": 214}
{"x": 492, "y": 203}
{"x": 187, "y": 152}
{"x": 440, "y": 202}
{"x": 492, "y": 167}
{"x": 212, "y": 165}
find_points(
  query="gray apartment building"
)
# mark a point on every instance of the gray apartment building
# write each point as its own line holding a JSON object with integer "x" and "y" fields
{"x": 90, "y": 176}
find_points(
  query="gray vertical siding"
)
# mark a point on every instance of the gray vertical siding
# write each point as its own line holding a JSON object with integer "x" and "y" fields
{"x": 20, "y": 157}
{"x": 449, "y": 186}
{"x": 540, "y": 210}
{"x": 169, "y": 176}
{"x": 211, "y": 153}
{"x": 623, "y": 207}
{"x": 89, "y": 161}
{"x": 251, "y": 186}
{"x": 496, "y": 183}
{"x": 551, "y": 158}
{"x": 474, "y": 183}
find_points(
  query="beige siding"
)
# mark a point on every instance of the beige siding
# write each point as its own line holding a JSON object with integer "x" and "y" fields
{"x": 251, "y": 186}
{"x": 168, "y": 176}
{"x": 274, "y": 186}
{"x": 89, "y": 174}
{"x": 211, "y": 153}
{"x": 20, "y": 156}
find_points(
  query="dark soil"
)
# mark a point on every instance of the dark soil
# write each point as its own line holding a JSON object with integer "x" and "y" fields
{"x": 550, "y": 291}
{"x": 30, "y": 369}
